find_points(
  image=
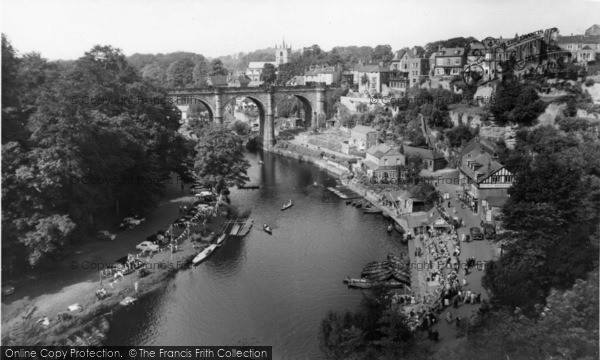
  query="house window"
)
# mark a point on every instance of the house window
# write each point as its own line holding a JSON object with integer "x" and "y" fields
{"x": 385, "y": 162}
{"x": 440, "y": 62}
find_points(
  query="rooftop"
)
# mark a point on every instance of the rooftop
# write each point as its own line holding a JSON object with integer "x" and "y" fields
{"x": 578, "y": 39}
{"x": 361, "y": 129}
{"x": 479, "y": 165}
{"x": 427, "y": 154}
{"x": 382, "y": 149}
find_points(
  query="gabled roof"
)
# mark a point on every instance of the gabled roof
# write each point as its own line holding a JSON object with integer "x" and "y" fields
{"x": 398, "y": 55}
{"x": 480, "y": 143}
{"x": 427, "y": 154}
{"x": 587, "y": 47}
{"x": 382, "y": 149}
{"x": 361, "y": 129}
{"x": 484, "y": 165}
{"x": 434, "y": 215}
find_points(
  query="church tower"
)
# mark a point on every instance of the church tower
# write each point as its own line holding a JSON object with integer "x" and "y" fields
{"x": 283, "y": 54}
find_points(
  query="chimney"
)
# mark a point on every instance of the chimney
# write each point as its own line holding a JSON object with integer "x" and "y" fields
{"x": 439, "y": 48}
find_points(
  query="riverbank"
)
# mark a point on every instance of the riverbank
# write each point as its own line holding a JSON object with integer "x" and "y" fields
{"x": 21, "y": 326}
{"x": 309, "y": 155}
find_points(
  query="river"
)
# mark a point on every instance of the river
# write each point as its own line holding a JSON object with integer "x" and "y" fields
{"x": 271, "y": 290}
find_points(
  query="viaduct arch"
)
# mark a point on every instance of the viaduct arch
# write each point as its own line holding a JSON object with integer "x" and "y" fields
{"x": 314, "y": 99}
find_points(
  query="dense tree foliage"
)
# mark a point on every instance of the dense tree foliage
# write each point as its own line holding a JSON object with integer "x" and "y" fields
{"x": 516, "y": 102}
{"x": 376, "y": 330}
{"x": 92, "y": 138}
{"x": 269, "y": 74}
{"x": 459, "y": 135}
{"x": 219, "y": 158}
{"x": 552, "y": 212}
{"x": 566, "y": 329}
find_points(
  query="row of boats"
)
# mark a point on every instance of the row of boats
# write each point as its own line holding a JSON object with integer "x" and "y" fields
{"x": 392, "y": 273}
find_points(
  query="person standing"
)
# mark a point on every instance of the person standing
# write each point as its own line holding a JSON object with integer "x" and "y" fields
{"x": 449, "y": 317}
{"x": 458, "y": 321}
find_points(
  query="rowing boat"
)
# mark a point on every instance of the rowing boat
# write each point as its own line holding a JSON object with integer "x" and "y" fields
{"x": 221, "y": 239}
{"x": 287, "y": 206}
{"x": 204, "y": 254}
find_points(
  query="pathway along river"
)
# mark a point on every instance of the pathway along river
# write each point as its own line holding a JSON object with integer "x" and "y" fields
{"x": 265, "y": 289}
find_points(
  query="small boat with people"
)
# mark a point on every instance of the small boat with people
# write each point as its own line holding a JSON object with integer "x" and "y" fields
{"x": 288, "y": 205}
{"x": 390, "y": 228}
{"x": 261, "y": 162}
{"x": 204, "y": 254}
{"x": 267, "y": 229}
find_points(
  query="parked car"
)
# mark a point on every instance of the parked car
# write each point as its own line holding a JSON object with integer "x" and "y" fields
{"x": 105, "y": 235}
{"x": 489, "y": 231}
{"x": 147, "y": 246}
{"x": 7, "y": 290}
{"x": 476, "y": 233}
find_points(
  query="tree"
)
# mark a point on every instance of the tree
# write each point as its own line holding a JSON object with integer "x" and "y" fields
{"x": 219, "y": 158}
{"x": 200, "y": 73}
{"x": 458, "y": 136}
{"x": 411, "y": 170}
{"x": 516, "y": 103}
{"x": 383, "y": 53}
{"x": 153, "y": 72}
{"x": 51, "y": 192}
{"x": 217, "y": 68}
{"x": 268, "y": 74}
{"x": 179, "y": 73}
{"x": 285, "y": 73}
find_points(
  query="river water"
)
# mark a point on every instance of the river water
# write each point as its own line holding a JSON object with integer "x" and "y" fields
{"x": 271, "y": 290}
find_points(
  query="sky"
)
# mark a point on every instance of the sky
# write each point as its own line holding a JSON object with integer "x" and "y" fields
{"x": 65, "y": 29}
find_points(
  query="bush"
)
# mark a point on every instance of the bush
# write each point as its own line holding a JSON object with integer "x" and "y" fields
{"x": 589, "y": 82}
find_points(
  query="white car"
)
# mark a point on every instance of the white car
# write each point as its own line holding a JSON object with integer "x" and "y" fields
{"x": 147, "y": 246}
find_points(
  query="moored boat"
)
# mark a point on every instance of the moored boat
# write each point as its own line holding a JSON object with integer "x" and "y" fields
{"x": 384, "y": 275}
{"x": 368, "y": 284}
{"x": 267, "y": 229}
{"x": 220, "y": 239}
{"x": 287, "y": 206}
{"x": 204, "y": 254}
{"x": 372, "y": 210}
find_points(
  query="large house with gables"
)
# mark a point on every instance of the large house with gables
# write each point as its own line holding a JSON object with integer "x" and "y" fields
{"x": 485, "y": 183}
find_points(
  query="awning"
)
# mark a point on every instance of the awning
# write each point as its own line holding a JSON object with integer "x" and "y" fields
{"x": 471, "y": 194}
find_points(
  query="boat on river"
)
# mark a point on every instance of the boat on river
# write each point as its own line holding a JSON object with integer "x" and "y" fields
{"x": 261, "y": 162}
{"x": 375, "y": 270}
{"x": 204, "y": 254}
{"x": 287, "y": 206}
{"x": 221, "y": 239}
{"x": 401, "y": 276}
{"x": 368, "y": 284}
{"x": 381, "y": 276}
{"x": 267, "y": 229}
{"x": 372, "y": 210}
{"x": 376, "y": 265}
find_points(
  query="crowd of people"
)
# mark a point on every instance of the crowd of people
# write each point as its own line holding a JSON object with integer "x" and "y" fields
{"x": 445, "y": 274}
